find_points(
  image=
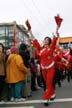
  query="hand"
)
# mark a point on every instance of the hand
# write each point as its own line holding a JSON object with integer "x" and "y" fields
{"x": 58, "y": 34}
{"x": 31, "y": 34}
{"x": 57, "y": 29}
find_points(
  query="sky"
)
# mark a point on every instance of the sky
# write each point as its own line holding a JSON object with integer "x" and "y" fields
{"x": 40, "y": 14}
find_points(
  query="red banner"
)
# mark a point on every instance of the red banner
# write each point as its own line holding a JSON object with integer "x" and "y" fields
{"x": 28, "y": 25}
{"x": 58, "y": 20}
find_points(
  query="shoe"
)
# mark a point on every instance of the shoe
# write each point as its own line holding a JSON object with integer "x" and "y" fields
{"x": 2, "y": 101}
{"x": 29, "y": 95}
{"x": 24, "y": 97}
{"x": 46, "y": 104}
{"x": 38, "y": 87}
{"x": 53, "y": 97}
{"x": 21, "y": 99}
{"x": 12, "y": 99}
{"x": 34, "y": 89}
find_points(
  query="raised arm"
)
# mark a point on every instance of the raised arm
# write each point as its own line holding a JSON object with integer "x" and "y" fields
{"x": 57, "y": 28}
{"x": 55, "y": 38}
{"x": 31, "y": 35}
{"x": 35, "y": 41}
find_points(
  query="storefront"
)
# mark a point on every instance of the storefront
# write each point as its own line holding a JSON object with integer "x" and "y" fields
{"x": 65, "y": 42}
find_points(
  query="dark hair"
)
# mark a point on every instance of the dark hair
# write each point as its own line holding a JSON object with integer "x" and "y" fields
{"x": 71, "y": 52}
{"x": 23, "y": 46}
{"x": 33, "y": 60}
{"x": 48, "y": 39}
{"x": 2, "y": 47}
{"x": 24, "y": 53}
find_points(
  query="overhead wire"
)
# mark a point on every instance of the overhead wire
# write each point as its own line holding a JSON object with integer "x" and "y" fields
{"x": 39, "y": 22}
{"x": 43, "y": 19}
{"x": 32, "y": 14}
{"x": 39, "y": 13}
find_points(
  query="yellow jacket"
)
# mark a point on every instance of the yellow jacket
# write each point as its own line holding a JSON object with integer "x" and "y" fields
{"x": 15, "y": 69}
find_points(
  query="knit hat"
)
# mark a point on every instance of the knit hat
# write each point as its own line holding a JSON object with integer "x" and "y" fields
{"x": 13, "y": 49}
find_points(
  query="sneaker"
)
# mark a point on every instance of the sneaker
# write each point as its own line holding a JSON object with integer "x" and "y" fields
{"x": 38, "y": 87}
{"x": 29, "y": 95}
{"x": 12, "y": 99}
{"x": 53, "y": 97}
{"x": 21, "y": 99}
{"x": 46, "y": 103}
{"x": 2, "y": 102}
{"x": 34, "y": 89}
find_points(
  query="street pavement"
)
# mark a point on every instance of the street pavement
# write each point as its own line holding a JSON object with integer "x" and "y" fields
{"x": 63, "y": 99}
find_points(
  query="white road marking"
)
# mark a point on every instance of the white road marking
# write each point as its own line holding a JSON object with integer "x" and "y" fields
{"x": 38, "y": 101}
{"x": 21, "y": 107}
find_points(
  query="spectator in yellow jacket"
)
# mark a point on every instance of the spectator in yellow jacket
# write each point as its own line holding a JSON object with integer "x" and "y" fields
{"x": 15, "y": 74}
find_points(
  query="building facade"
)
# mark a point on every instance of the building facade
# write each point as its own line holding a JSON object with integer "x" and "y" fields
{"x": 13, "y": 34}
{"x": 65, "y": 42}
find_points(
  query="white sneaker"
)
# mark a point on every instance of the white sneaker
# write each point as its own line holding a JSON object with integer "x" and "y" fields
{"x": 53, "y": 97}
{"x": 21, "y": 99}
{"x": 38, "y": 87}
{"x": 2, "y": 102}
{"x": 46, "y": 103}
{"x": 12, "y": 99}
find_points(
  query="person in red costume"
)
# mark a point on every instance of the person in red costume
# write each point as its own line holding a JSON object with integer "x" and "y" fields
{"x": 45, "y": 54}
{"x": 47, "y": 62}
{"x": 69, "y": 66}
{"x": 59, "y": 66}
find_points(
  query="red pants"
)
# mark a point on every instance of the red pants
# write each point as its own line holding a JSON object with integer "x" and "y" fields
{"x": 48, "y": 75}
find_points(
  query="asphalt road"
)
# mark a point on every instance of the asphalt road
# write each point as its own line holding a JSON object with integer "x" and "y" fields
{"x": 63, "y": 99}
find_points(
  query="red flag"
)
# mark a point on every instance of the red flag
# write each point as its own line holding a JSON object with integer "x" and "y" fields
{"x": 14, "y": 38}
{"x": 28, "y": 25}
{"x": 58, "y": 20}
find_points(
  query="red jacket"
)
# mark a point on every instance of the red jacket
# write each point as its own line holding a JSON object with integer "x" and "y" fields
{"x": 58, "y": 59}
{"x": 69, "y": 62}
{"x": 44, "y": 53}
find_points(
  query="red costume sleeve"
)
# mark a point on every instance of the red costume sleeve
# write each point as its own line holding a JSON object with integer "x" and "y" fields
{"x": 36, "y": 53}
{"x": 37, "y": 45}
{"x": 53, "y": 42}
